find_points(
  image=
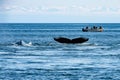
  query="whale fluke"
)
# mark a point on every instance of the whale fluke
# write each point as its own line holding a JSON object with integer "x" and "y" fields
{"x": 62, "y": 40}
{"x": 71, "y": 41}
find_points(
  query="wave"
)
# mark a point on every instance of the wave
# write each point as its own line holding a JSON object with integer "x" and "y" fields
{"x": 54, "y": 46}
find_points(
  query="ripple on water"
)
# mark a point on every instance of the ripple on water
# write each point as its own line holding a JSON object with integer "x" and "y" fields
{"x": 61, "y": 62}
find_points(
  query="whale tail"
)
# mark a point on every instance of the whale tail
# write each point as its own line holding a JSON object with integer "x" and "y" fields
{"x": 71, "y": 41}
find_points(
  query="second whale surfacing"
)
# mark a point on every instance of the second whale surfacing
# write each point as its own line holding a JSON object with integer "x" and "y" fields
{"x": 71, "y": 41}
{"x": 22, "y": 43}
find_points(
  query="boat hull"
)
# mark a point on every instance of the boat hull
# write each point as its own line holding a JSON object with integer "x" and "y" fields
{"x": 93, "y": 30}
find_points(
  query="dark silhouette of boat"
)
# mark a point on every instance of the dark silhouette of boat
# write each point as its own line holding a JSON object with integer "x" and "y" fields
{"x": 71, "y": 41}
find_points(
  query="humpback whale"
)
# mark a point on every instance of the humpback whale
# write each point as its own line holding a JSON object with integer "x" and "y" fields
{"x": 71, "y": 41}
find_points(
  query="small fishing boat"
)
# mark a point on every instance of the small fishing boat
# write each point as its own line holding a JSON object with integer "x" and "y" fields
{"x": 93, "y": 29}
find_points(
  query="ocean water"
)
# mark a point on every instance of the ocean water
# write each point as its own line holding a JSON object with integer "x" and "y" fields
{"x": 46, "y": 59}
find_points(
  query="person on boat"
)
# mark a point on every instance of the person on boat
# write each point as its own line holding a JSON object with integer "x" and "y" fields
{"x": 85, "y": 29}
{"x": 100, "y": 29}
{"x": 94, "y": 27}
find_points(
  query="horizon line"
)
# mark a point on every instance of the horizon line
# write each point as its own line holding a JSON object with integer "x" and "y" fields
{"x": 57, "y": 23}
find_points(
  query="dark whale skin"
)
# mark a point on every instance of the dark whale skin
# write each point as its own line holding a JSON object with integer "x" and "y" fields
{"x": 71, "y": 41}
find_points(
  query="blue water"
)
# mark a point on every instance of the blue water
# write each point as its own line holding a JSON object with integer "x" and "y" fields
{"x": 46, "y": 59}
